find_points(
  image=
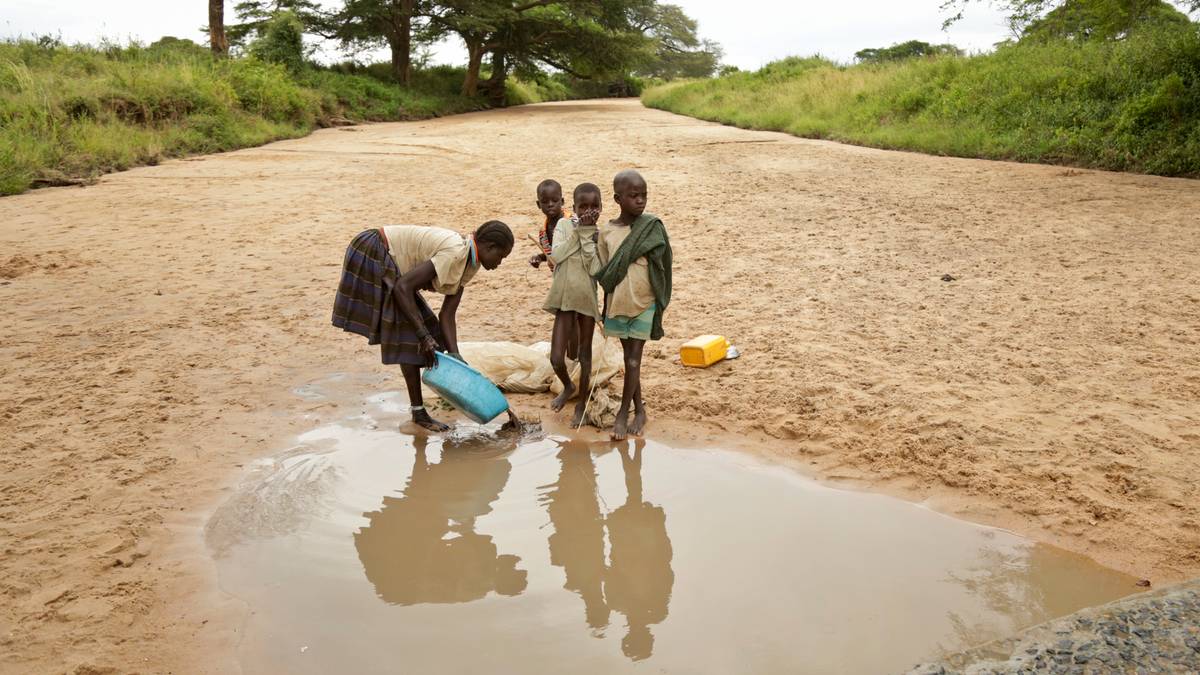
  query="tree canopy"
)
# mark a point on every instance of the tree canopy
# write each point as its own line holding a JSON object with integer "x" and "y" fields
{"x": 1116, "y": 17}
{"x": 1101, "y": 19}
{"x": 587, "y": 39}
{"x": 905, "y": 50}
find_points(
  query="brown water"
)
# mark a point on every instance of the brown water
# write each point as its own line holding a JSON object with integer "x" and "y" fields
{"x": 365, "y": 550}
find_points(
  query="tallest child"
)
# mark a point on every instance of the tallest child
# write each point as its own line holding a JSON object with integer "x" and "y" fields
{"x": 636, "y": 277}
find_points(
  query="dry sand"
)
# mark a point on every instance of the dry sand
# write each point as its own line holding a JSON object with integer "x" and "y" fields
{"x": 157, "y": 323}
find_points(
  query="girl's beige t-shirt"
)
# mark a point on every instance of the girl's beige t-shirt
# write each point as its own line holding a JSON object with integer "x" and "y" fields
{"x": 634, "y": 294}
{"x": 411, "y": 245}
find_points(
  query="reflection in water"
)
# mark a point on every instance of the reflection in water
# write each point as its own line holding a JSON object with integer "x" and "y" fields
{"x": 577, "y": 544}
{"x": 637, "y": 579}
{"x": 422, "y": 547}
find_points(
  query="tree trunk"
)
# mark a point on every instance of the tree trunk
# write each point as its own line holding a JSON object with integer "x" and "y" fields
{"x": 216, "y": 28}
{"x": 400, "y": 40}
{"x": 474, "y": 60}
{"x": 495, "y": 84}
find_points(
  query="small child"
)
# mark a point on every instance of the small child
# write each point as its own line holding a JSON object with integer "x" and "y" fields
{"x": 636, "y": 277}
{"x": 550, "y": 203}
{"x": 572, "y": 297}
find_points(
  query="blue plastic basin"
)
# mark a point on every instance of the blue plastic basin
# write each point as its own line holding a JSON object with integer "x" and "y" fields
{"x": 465, "y": 388}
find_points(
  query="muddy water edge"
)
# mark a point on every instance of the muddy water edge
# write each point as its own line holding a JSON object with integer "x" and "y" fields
{"x": 367, "y": 549}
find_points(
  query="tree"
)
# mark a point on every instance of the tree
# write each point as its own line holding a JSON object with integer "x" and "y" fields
{"x": 281, "y": 41}
{"x": 370, "y": 23}
{"x": 1023, "y": 13}
{"x": 1101, "y": 19}
{"x": 216, "y": 28}
{"x": 905, "y": 50}
{"x": 584, "y": 38}
{"x": 255, "y": 15}
{"x": 678, "y": 52}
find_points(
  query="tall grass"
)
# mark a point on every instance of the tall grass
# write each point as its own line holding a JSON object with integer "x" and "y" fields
{"x": 68, "y": 113}
{"x": 1129, "y": 105}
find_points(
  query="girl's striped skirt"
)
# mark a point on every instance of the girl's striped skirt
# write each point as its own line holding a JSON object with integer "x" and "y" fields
{"x": 366, "y": 302}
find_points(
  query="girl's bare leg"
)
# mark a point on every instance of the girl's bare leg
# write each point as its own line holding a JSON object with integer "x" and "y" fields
{"x": 633, "y": 382}
{"x": 564, "y": 325}
{"x": 585, "y": 326}
{"x": 412, "y": 379}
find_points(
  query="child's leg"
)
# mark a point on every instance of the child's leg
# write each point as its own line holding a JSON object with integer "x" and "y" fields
{"x": 573, "y": 344}
{"x": 586, "y": 325}
{"x": 564, "y": 325}
{"x": 633, "y": 382}
{"x": 639, "y": 410}
{"x": 412, "y": 378}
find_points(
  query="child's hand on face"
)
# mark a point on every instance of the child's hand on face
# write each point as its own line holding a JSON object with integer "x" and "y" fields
{"x": 588, "y": 217}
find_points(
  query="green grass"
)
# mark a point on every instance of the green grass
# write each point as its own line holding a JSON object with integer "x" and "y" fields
{"x": 1129, "y": 105}
{"x": 70, "y": 113}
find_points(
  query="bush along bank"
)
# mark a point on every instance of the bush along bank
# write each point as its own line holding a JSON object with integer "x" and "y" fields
{"x": 1125, "y": 105}
{"x": 71, "y": 113}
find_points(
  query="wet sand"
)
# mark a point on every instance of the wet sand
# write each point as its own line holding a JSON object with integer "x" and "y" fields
{"x": 362, "y": 549}
{"x": 158, "y": 321}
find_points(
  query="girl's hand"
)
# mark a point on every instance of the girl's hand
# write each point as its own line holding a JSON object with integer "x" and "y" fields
{"x": 429, "y": 347}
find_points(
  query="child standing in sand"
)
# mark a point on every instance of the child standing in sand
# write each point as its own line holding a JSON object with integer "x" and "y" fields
{"x": 572, "y": 297}
{"x": 550, "y": 203}
{"x": 636, "y": 277}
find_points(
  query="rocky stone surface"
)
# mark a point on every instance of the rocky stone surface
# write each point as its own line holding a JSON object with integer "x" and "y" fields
{"x": 1153, "y": 632}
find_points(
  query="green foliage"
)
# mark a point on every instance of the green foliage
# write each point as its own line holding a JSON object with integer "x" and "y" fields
{"x": 77, "y": 112}
{"x": 257, "y": 15}
{"x": 1120, "y": 15}
{"x": 1102, "y": 19}
{"x": 281, "y": 41}
{"x": 905, "y": 50}
{"x": 678, "y": 51}
{"x": 1127, "y": 105}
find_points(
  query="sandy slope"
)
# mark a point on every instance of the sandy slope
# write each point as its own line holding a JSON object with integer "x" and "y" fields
{"x": 155, "y": 325}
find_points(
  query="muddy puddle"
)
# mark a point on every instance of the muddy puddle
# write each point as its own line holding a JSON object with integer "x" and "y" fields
{"x": 365, "y": 550}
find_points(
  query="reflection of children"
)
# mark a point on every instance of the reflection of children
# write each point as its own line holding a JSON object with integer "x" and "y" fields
{"x": 405, "y": 551}
{"x": 577, "y": 545}
{"x": 572, "y": 296}
{"x": 636, "y": 278}
{"x": 639, "y": 579}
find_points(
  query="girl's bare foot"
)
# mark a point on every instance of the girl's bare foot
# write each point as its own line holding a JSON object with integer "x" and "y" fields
{"x": 639, "y": 422}
{"x": 561, "y": 400}
{"x": 422, "y": 419}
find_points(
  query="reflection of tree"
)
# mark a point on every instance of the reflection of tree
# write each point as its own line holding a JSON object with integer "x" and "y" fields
{"x": 422, "y": 547}
{"x": 577, "y": 544}
{"x": 639, "y": 579}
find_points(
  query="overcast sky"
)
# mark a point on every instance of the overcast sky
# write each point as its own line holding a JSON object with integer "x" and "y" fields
{"x": 752, "y": 32}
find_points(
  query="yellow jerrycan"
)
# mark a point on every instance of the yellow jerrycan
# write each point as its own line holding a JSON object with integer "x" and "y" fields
{"x": 703, "y": 351}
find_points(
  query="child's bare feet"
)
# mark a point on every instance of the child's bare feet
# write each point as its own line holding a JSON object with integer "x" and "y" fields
{"x": 422, "y": 419}
{"x": 639, "y": 422}
{"x": 580, "y": 409}
{"x": 561, "y": 400}
{"x": 619, "y": 432}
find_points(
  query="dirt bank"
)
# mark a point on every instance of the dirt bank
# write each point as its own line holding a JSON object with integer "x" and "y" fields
{"x": 157, "y": 322}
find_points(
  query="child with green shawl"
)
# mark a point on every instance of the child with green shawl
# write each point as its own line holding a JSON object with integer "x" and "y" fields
{"x": 636, "y": 277}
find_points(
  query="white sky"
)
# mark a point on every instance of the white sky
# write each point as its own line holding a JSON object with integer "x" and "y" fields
{"x": 752, "y": 32}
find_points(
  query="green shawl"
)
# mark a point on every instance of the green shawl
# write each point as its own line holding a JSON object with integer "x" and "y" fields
{"x": 647, "y": 238}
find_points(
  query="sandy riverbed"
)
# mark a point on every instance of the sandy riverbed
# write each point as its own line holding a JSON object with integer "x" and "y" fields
{"x": 157, "y": 322}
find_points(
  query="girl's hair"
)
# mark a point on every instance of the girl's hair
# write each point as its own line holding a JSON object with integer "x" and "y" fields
{"x": 587, "y": 189}
{"x": 495, "y": 233}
